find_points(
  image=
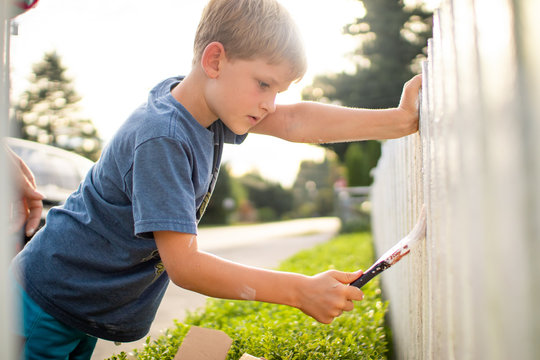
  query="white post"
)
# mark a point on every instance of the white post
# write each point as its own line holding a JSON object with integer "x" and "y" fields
{"x": 7, "y": 246}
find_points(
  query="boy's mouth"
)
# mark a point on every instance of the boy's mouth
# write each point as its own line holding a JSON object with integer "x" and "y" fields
{"x": 254, "y": 119}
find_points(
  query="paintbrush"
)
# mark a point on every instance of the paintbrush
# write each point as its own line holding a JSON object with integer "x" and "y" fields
{"x": 396, "y": 253}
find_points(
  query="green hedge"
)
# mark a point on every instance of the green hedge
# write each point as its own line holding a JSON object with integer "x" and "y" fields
{"x": 280, "y": 332}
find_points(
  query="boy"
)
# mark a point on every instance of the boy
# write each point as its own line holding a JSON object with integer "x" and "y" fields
{"x": 101, "y": 265}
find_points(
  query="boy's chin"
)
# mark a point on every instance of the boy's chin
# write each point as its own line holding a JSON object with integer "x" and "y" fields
{"x": 239, "y": 130}
{"x": 237, "y": 127}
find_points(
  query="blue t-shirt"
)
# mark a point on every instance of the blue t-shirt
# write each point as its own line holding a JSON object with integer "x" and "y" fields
{"x": 95, "y": 264}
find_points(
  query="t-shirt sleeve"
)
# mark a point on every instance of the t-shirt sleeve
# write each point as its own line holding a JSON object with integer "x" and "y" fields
{"x": 163, "y": 196}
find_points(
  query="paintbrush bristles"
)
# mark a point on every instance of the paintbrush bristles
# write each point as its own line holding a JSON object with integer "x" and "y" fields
{"x": 419, "y": 229}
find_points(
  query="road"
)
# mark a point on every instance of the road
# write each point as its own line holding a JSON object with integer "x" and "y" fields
{"x": 263, "y": 245}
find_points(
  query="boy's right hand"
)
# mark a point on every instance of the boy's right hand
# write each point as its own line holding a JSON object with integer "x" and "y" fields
{"x": 327, "y": 295}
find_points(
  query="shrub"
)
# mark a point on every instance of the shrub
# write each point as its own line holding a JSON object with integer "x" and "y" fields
{"x": 280, "y": 332}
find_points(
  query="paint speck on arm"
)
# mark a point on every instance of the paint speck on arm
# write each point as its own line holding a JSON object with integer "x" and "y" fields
{"x": 248, "y": 293}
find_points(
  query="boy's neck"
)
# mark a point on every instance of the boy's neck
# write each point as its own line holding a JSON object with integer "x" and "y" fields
{"x": 190, "y": 93}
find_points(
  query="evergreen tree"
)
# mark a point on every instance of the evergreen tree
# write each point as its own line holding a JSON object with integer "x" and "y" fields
{"x": 48, "y": 113}
{"x": 393, "y": 39}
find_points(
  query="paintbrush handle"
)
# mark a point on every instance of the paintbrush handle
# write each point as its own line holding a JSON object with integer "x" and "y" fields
{"x": 373, "y": 271}
{"x": 396, "y": 253}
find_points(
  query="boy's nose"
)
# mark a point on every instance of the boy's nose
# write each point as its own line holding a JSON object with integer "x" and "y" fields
{"x": 269, "y": 104}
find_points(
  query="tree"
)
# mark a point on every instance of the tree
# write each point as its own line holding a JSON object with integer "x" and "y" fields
{"x": 270, "y": 199}
{"x": 361, "y": 155}
{"x": 222, "y": 202}
{"x": 48, "y": 113}
{"x": 393, "y": 39}
{"x": 313, "y": 189}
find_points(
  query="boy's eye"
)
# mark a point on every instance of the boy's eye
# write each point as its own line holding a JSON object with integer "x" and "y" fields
{"x": 264, "y": 85}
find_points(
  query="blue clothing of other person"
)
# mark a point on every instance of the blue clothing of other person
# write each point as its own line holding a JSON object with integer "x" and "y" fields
{"x": 95, "y": 265}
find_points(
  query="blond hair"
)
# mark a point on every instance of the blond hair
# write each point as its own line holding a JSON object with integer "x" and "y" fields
{"x": 250, "y": 29}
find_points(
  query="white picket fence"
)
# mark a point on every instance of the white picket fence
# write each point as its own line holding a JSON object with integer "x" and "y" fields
{"x": 471, "y": 290}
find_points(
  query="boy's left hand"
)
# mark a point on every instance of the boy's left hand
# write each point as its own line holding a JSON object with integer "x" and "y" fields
{"x": 409, "y": 101}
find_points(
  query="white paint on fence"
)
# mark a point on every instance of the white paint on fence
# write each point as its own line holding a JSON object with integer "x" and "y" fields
{"x": 471, "y": 290}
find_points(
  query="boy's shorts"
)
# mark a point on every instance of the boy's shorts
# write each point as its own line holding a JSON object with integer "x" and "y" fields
{"x": 44, "y": 337}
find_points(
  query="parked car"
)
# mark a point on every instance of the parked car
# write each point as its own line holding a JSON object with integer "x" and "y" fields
{"x": 57, "y": 172}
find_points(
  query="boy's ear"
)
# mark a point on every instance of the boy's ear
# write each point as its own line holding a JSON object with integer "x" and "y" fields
{"x": 211, "y": 59}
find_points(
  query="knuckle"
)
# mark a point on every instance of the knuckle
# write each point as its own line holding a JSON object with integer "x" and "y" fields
{"x": 331, "y": 272}
{"x": 357, "y": 294}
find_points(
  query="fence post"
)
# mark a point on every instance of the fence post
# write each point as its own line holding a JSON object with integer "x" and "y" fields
{"x": 7, "y": 245}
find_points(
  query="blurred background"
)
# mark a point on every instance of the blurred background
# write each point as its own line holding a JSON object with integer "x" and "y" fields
{"x": 79, "y": 68}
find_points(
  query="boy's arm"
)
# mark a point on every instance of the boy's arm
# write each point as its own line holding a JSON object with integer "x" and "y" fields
{"x": 323, "y": 296}
{"x": 311, "y": 122}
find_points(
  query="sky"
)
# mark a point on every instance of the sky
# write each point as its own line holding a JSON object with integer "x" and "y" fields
{"x": 116, "y": 51}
